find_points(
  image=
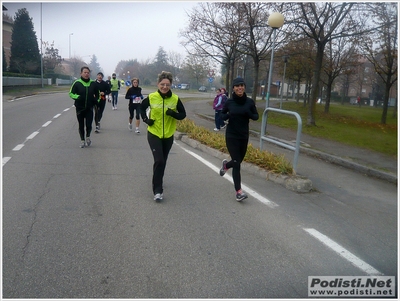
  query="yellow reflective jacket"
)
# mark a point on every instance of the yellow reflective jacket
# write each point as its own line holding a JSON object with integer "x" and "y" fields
{"x": 164, "y": 126}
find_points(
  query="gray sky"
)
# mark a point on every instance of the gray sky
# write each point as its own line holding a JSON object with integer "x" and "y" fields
{"x": 113, "y": 31}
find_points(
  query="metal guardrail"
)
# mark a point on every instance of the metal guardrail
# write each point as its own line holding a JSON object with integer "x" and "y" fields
{"x": 264, "y": 137}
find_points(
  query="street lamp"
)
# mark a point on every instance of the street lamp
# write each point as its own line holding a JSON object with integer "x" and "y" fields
{"x": 275, "y": 20}
{"x": 70, "y": 44}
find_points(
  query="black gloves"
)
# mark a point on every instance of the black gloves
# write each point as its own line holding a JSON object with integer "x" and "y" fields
{"x": 170, "y": 112}
{"x": 149, "y": 122}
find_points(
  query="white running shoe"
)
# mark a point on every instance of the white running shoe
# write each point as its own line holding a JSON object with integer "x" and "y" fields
{"x": 130, "y": 126}
{"x": 88, "y": 141}
{"x": 137, "y": 131}
{"x": 158, "y": 197}
{"x": 83, "y": 144}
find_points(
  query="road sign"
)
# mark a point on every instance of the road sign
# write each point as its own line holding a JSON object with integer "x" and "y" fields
{"x": 210, "y": 80}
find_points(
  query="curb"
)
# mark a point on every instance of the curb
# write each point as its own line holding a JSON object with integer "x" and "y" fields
{"x": 389, "y": 177}
{"x": 294, "y": 183}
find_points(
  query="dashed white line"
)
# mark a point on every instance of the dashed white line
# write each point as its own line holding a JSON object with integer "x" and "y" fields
{"x": 31, "y": 136}
{"x": 18, "y": 147}
{"x": 362, "y": 265}
{"x": 229, "y": 178}
{"x": 6, "y": 159}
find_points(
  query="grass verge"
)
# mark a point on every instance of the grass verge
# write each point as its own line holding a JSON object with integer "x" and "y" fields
{"x": 351, "y": 125}
{"x": 266, "y": 160}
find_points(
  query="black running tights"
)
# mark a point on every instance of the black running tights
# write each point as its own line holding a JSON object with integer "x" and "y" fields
{"x": 85, "y": 116}
{"x": 237, "y": 149}
{"x": 160, "y": 149}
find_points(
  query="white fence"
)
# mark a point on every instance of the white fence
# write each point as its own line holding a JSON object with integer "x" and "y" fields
{"x": 27, "y": 81}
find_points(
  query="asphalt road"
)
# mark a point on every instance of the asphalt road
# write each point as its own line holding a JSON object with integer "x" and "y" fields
{"x": 82, "y": 223}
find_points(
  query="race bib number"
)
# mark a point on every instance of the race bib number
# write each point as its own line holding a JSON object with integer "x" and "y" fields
{"x": 137, "y": 100}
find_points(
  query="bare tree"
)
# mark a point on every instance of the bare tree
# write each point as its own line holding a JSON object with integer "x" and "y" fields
{"x": 175, "y": 60}
{"x": 381, "y": 47}
{"x": 341, "y": 56}
{"x": 323, "y": 22}
{"x": 214, "y": 31}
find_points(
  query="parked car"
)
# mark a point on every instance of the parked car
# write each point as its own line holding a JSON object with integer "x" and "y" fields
{"x": 203, "y": 89}
{"x": 185, "y": 86}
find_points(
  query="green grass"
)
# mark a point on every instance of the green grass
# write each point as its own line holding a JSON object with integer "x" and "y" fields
{"x": 351, "y": 125}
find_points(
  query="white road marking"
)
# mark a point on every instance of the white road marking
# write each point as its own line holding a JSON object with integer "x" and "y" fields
{"x": 250, "y": 191}
{"x": 362, "y": 265}
{"x": 5, "y": 160}
{"x": 18, "y": 147}
{"x": 31, "y": 136}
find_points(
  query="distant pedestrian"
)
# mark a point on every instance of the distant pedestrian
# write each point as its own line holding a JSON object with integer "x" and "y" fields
{"x": 165, "y": 108}
{"x": 86, "y": 94}
{"x": 359, "y": 101}
{"x": 115, "y": 87}
{"x": 134, "y": 94}
{"x": 104, "y": 89}
{"x": 218, "y": 104}
{"x": 238, "y": 109}
{"x": 109, "y": 96}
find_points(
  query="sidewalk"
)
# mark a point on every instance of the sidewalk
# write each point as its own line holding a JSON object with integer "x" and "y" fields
{"x": 360, "y": 160}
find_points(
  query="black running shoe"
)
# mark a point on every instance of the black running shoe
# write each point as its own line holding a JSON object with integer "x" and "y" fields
{"x": 223, "y": 169}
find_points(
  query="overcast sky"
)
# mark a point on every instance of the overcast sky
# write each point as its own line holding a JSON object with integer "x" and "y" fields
{"x": 113, "y": 31}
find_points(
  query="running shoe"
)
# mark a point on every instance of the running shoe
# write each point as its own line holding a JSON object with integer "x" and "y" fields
{"x": 223, "y": 169}
{"x": 82, "y": 144}
{"x": 240, "y": 195}
{"x": 130, "y": 126}
{"x": 88, "y": 141}
{"x": 97, "y": 129}
{"x": 158, "y": 197}
{"x": 137, "y": 131}
{"x": 216, "y": 130}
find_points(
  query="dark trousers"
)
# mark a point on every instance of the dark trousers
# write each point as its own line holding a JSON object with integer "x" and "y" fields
{"x": 218, "y": 120}
{"x": 160, "y": 149}
{"x": 99, "y": 109}
{"x": 85, "y": 117}
{"x": 237, "y": 149}
{"x": 132, "y": 108}
{"x": 114, "y": 98}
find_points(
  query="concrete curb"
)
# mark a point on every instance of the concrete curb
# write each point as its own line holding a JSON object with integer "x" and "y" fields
{"x": 294, "y": 183}
{"x": 391, "y": 178}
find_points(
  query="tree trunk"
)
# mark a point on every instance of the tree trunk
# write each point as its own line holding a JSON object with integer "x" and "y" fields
{"x": 386, "y": 99}
{"x": 255, "y": 82}
{"x": 315, "y": 84}
{"x": 328, "y": 96}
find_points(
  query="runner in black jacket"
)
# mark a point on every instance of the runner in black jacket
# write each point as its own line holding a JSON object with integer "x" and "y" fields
{"x": 238, "y": 110}
{"x": 134, "y": 94}
{"x": 104, "y": 89}
{"x": 85, "y": 93}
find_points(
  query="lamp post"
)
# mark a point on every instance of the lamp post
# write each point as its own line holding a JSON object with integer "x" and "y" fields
{"x": 70, "y": 44}
{"x": 285, "y": 58}
{"x": 275, "y": 20}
